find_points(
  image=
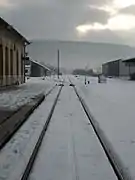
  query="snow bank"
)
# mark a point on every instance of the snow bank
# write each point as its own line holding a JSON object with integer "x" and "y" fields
{"x": 112, "y": 105}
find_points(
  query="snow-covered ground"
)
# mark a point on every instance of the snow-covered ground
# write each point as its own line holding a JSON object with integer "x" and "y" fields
{"x": 15, "y": 98}
{"x": 70, "y": 149}
{"x": 113, "y": 106}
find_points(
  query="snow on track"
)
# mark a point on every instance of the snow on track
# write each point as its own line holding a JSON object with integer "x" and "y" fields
{"x": 70, "y": 149}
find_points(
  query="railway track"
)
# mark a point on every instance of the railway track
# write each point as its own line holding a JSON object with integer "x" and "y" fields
{"x": 40, "y": 139}
{"x": 29, "y": 167}
{"x": 116, "y": 164}
{"x": 12, "y": 124}
{"x": 119, "y": 169}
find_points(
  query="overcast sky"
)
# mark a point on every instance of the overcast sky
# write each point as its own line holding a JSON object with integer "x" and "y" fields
{"x": 89, "y": 20}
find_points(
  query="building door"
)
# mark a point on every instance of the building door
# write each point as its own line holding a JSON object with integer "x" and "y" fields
{"x": 6, "y": 65}
{"x": 22, "y": 70}
{"x": 1, "y": 65}
{"x": 17, "y": 64}
{"x": 11, "y": 65}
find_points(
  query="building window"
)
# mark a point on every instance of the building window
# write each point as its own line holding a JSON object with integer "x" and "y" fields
{"x": 11, "y": 61}
{"x": 6, "y": 62}
{"x": 1, "y": 62}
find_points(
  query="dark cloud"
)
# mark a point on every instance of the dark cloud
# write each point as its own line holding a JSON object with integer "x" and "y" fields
{"x": 49, "y": 19}
{"x": 58, "y": 19}
{"x": 42, "y": 22}
{"x": 94, "y": 15}
{"x": 53, "y": 19}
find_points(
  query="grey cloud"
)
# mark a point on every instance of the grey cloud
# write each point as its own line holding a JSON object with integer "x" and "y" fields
{"x": 128, "y": 10}
{"x": 94, "y": 15}
{"x": 104, "y": 36}
{"x": 42, "y": 23}
{"x": 49, "y": 20}
{"x": 61, "y": 2}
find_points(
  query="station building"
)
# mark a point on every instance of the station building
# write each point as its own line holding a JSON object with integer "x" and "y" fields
{"x": 12, "y": 55}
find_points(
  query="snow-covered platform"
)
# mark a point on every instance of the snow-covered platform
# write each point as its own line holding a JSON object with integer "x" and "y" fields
{"x": 12, "y": 99}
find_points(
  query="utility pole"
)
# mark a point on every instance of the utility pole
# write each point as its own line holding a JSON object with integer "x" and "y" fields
{"x": 58, "y": 63}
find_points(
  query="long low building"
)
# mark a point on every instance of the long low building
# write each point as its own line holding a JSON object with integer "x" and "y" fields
{"x": 35, "y": 69}
{"x": 131, "y": 64}
{"x": 12, "y": 55}
{"x": 117, "y": 68}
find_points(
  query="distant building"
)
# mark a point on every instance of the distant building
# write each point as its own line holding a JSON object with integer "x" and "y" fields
{"x": 35, "y": 69}
{"x": 111, "y": 68}
{"x": 12, "y": 55}
{"x": 117, "y": 68}
{"x": 130, "y": 63}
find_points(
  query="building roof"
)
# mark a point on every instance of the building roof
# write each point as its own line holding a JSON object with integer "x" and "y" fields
{"x": 44, "y": 66}
{"x": 13, "y": 30}
{"x": 131, "y": 60}
{"x": 112, "y": 61}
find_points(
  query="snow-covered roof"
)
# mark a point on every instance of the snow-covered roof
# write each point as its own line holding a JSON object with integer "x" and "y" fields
{"x": 13, "y": 30}
{"x": 131, "y": 60}
{"x": 108, "y": 62}
{"x": 36, "y": 62}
